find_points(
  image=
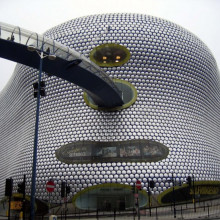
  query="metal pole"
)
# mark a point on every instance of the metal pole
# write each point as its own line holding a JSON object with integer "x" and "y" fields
{"x": 49, "y": 203}
{"x": 65, "y": 201}
{"x": 33, "y": 182}
{"x": 174, "y": 199}
{"x": 134, "y": 204}
{"x": 149, "y": 193}
{"x": 10, "y": 195}
{"x": 24, "y": 193}
{"x": 194, "y": 194}
{"x": 97, "y": 214}
{"x": 9, "y": 207}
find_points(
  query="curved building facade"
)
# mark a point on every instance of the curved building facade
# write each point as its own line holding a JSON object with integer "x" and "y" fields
{"x": 177, "y": 105}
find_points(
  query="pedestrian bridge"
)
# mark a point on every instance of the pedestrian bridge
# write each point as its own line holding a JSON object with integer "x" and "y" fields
{"x": 21, "y": 46}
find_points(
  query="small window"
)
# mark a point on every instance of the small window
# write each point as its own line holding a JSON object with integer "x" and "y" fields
{"x": 110, "y": 55}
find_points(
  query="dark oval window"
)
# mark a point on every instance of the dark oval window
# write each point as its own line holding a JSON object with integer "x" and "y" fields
{"x": 110, "y": 55}
{"x": 139, "y": 150}
{"x": 129, "y": 96}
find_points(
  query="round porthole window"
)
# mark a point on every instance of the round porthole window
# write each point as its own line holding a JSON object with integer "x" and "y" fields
{"x": 110, "y": 55}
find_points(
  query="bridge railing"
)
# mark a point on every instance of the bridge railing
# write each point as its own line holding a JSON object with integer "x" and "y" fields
{"x": 28, "y": 38}
{"x": 25, "y": 37}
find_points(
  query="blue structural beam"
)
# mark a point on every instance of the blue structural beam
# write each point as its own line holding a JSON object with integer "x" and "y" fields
{"x": 72, "y": 67}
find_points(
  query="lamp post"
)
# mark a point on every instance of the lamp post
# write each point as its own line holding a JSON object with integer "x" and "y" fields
{"x": 174, "y": 199}
{"x": 33, "y": 180}
{"x": 149, "y": 193}
{"x": 194, "y": 194}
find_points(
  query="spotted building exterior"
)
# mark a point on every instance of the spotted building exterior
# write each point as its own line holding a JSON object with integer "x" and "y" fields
{"x": 177, "y": 105}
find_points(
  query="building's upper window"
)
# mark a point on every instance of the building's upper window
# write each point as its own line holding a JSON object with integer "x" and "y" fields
{"x": 109, "y": 55}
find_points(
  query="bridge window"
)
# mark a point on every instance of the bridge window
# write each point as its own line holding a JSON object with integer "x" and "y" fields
{"x": 110, "y": 55}
{"x": 128, "y": 92}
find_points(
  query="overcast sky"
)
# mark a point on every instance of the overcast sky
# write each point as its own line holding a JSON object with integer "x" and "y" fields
{"x": 201, "y": 17}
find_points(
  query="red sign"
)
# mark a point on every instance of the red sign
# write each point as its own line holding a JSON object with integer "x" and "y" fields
{"x": 138, "y": 184}
{"x": 50, "y": 186}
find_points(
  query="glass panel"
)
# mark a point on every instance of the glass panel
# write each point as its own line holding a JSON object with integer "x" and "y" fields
{"x": 119, "y": 151}
{"x": 109, "y": 55}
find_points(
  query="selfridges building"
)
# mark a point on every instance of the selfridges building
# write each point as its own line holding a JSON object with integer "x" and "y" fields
{"x": 174, "y": 110}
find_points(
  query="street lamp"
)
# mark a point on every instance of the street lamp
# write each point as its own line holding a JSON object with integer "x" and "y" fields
{"x": 42, "y": 55}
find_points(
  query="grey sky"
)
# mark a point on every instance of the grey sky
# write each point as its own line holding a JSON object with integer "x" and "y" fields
{"x": 201, "y": 17}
